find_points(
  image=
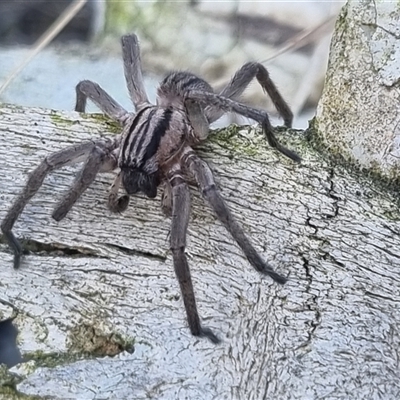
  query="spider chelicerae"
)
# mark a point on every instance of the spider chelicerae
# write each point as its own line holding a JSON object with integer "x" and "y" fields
{"x": 156, "y": 147}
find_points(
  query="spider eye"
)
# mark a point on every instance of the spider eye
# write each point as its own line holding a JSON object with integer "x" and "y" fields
{"x": 135, "y": 181}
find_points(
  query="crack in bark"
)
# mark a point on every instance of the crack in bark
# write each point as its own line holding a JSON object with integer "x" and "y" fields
{"x": 377, "y": 26}
{"x": 313, "y": 306}
{"x": 329, "y": 257}
{"x": 31, "y": 246}
{"x": 8, "y": 304}
{"x": 310, "y": 224}
{"x": 332, "y": 195}
{"x": 379, "y": 296}
{"x": 39, "y": 248}
{"x": 140, "y": 253}
{"x": 391, "y": 229}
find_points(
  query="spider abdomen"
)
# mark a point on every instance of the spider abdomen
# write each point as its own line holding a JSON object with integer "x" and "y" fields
{"x": 176, "y": 85}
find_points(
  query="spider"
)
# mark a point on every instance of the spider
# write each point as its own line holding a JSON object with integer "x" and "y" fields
{"x": 156, "y": 147}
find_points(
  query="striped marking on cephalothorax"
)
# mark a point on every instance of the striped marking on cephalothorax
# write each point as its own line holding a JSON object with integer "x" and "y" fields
{"x": 144, "y": 136}
{"x": 160, "y": 130}
{"x": 136, "y": 133}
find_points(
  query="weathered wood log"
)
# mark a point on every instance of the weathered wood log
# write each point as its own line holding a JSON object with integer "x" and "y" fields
{"x": 98, "y": 284}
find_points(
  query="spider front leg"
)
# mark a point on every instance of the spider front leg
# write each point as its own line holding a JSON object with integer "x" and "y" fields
{"x": 166, "y": 200}
{"x": 91, "y": 90}
{"x": 241, "y": 81}
{"x": 180, "y": 221}
{"x": 228, "y": 105}
{"x": 197, "y": 118}
{"x": 134, "y": 79}
{"x": 133, "y": 70}
{"x": 70, "y": 155}
{"x": 205, "y": 180}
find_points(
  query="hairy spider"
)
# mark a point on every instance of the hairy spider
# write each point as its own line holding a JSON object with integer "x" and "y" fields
{"x": 155, "y": 147}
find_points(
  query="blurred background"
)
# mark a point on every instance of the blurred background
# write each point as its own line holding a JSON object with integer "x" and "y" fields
{"x": 210, "y": 38}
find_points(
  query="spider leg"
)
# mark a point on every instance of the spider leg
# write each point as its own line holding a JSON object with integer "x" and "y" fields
{"x": 197, "y": 118}
{"x": 166, "y": 200}
{"x": 117, "y": 204}
{"x": 205, "y": 180}
{"x": 241, "y": 81}
{"x": 218, "y": 101}
{"x": 70, "y": 155}
{"x": 133, "y": 70}
{"x": 180, "y": 221}
{"x": 99, "y": 160}
{"x": 88, "y": 89}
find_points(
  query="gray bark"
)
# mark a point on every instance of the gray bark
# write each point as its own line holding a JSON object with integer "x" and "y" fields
{"x": 97, "y": 282}
{"x": 358, "y": 115}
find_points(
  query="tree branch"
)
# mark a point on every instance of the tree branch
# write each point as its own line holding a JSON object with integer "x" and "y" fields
{"x": 97, "y": 283}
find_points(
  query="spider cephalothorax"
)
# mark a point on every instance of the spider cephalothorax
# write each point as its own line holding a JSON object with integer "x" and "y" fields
{"x": 155, "y": 147}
